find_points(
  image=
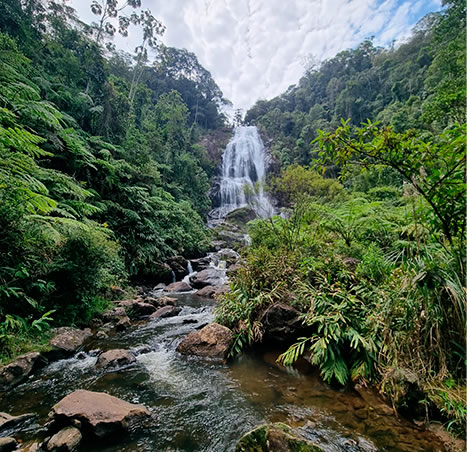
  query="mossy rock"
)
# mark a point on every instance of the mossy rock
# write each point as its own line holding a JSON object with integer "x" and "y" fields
{"x": 276, "y": 437}
{"x": 241, "y": 216}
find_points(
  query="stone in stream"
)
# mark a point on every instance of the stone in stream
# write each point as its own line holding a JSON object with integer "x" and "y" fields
{"x": 208, "y": 277}
{"x": 180, "y": 286}
{"x": 276, "y": 437}
{"x": 212, "y": 291}
{"x": 179, "y": 266}
{"x": 15, "y": 372}
{"x": 118, "y": 317}
{"x": 281, "y": 322}
{"x": 66, "y": 440}
{"x": 98, "y": 413}
{"x": 212, "y": 341}
{"x": 201, "y": 264}
{"x": 137, "y": 307}
{"x": 7, "y": 444}
{"x": 12, "y": 424}
{"x": 67, "y": 341}
{"x": 166, "y": 311}
{"x": 115, "y": 358}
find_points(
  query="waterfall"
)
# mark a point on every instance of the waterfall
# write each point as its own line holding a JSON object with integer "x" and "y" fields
{"x": 242, "y": 175}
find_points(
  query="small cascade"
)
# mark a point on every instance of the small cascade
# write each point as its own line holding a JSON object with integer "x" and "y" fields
{"x": 242, "y": 175}
{"x": 189, "y": 268}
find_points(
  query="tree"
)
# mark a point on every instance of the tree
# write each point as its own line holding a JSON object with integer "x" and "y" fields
{"x": 435, "y": 169}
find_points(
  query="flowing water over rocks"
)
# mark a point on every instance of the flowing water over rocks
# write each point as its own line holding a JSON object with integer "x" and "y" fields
{"x": 204, "y": 405}
{"x": 242, "y": 174}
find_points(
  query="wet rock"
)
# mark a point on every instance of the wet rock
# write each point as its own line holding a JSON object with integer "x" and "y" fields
{"x": 212, "y": 291}
{"x": 281, "y": 322}
{"x": 179, "y": 266}
{"x": 374, "y": 401}
{"x": 208, "y": 277}
{"x": 95, "y": 324}
{"x": 188, "y": 321}
{"x": 160, "y": 286}
{"x": 201, "y": 264}
{"x": 9, "y": 425}
{"x": 98, "y": 413}
{"x": 241, "y": 216}
{"x": 207, "y": 292}
{"x": 157, "y": 272}
{"x": 66, "y": 440}
{"x": 137, "y": 308}
{"x": 115, "y": 358}
{"x": 15, "y": 372}
{"x": 166, "y": 301}
{"x": 101, "y": 335}
{"x": 30, "y": 447}
{"x": 276, "y": 437}
{"x": 212, "y": 341}
{"x": 166, "y": 311}
{"x": 180, "y": 286}
{"x": 7, "y": 444}
{"x": 67, "y": 341}
{"x": 228, "y": 255}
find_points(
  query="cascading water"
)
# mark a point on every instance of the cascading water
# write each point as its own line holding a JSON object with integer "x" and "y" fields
{"x": 242, "y": 175}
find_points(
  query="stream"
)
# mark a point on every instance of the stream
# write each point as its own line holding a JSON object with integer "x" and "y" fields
{"x": 201, "y": 405}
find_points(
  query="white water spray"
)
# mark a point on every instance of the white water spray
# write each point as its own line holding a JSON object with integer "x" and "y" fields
{"x": 243, "y": 174}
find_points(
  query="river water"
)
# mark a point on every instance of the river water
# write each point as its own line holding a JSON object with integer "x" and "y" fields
{"x": 201, "y": 405}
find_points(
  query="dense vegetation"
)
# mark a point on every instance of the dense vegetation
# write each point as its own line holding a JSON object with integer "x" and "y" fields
{"x": 375, "y": 259}
{"x": 100, "y": 176}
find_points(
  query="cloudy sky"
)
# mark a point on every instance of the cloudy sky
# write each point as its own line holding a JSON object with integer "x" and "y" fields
{"x": 256, "y": 49}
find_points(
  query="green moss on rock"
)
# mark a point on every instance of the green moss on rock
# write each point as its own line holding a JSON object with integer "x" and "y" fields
{"x": 276, "y": 437}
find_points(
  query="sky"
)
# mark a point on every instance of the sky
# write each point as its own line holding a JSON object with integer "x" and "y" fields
{"x": 256, "y": 49}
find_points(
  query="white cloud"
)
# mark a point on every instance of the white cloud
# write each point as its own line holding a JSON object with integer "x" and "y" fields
{"x": 255, "y": 48}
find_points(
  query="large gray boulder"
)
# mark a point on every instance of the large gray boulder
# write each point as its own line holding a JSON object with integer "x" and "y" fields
{"x": 15, "y": 372}
{"x": 208, "y": 277}
{"x": 97, "y": 413}
{"x": 212, "y": 341}
{"x": 115, "y": 358}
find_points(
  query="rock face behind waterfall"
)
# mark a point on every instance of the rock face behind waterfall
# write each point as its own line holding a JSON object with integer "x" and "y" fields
{"x": 242, "y": 171}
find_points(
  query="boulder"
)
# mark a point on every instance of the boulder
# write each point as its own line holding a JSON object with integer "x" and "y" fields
{"x": 115, "y": 358}
{"x": 228, "y": 255}
{"x": 208, "y": 277}
{"x": 67, "y": 341}
{"x": 281, "y": 322}
{"x": 98, "y": 413}
{"x": 207, "y": 292}
{"x": 212, "y": 341}
{"x": 160, "y": 286}
{"x": 137, "y": 308}
{"x": 118, "y": 317}
{"x": 180, "y": 286}
{"x": 276, "y": 437}
{"x": 166, "y": 301}
{"x": 179, "y": 266}
{"x": 15, "y": 372}
{"x": 241, "y": 216}
{"x": 10, "y": 425}
{"x": 201, "y": 264}
{"x": 66, "y": 440}
{"x": 166, "y": 311}
{"x": 233, "y": 269}
{"x": 156, "y": 272}
{"x": 7, "y": 444}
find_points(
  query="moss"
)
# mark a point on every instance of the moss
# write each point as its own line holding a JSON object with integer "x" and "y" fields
{"x": 273, "y": 437}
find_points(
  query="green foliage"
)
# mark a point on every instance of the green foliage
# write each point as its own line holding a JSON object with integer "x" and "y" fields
{"x": 435, "y": 170}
